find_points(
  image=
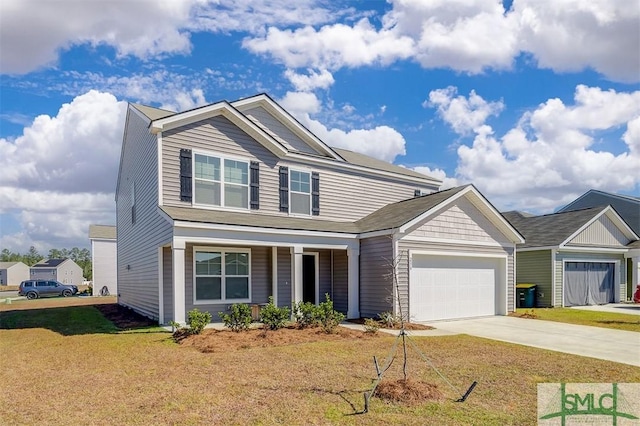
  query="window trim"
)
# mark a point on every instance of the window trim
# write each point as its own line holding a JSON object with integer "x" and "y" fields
{"x": 291, "y": 191}
{"x": 223, "y": 251}
{"x": 222, "y": 182}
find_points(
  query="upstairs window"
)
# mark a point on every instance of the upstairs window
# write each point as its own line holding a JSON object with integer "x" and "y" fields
{"x": 300, "y": 192}
{"x": 221, "y": 182}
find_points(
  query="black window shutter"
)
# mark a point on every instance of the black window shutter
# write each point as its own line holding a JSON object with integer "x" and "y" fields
{"x": 284, "y": 189}
{"x": 417, "y": 193}
{"x": 315, "y": 193}
{"x": 255, "y": 185}
{"x": 185, "y": 175}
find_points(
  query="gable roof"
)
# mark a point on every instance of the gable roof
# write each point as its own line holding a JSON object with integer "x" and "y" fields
{"x": 408, "y": 213}
{"x": 49, "y": 263}
{"x": 290, "y": 122}
{"x": 7, "y": 265}
{"x": 102, "y": 232}
{"x": 557, "y": 229}
{"x": 161, "y": 120}
{"x": 628, "y": 207}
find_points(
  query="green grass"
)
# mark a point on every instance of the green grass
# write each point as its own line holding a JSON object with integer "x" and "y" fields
{"x": 66, "y": 321}
{"x": 613, "y": 320}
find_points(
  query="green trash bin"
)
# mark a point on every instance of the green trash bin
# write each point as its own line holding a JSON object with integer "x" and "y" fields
{"x": 526, "y": 295}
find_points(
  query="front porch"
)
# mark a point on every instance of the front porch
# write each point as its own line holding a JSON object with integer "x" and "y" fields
{"x": 212, "y": 273}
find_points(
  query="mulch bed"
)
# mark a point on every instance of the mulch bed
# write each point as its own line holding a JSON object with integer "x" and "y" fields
{"x": 409, "y": 392}
{"x": 407, "y": 325}
{"x": 123, "y": 317}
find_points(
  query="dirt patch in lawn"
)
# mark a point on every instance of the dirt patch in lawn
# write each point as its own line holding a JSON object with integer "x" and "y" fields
{"x": 124, "y": 318}
{"x": 408, "y": 392}
{"x": 212, "y": 340}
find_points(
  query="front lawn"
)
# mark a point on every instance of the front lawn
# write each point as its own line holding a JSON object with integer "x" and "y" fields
{"x": 628, "y": 322}
{"x": 92, "y": 373}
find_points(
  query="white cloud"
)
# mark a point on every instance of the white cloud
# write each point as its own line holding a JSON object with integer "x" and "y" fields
{"x": 549, "y": 158}
{"x": 57, "y": 25}
{"x": 447, "y": 181}
{"x": 381, "y": 142}
{"x": 59, "y": 175}
{"x": 471, "y": 36}
{"x": 314, "y": 80}
{"x": 571, "y": 35}
{"x": 464, "y": 115}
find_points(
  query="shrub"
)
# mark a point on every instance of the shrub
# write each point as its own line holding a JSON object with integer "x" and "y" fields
{"x": 273, "y": 317}
{"x": 239, "y": 319}
{"x": 371, "y": 326}
{"x": 389, "y": 320}
{"x": 306, "y": 314}
{"x": 327, "y": 316}
{"x": 197, "y": 320}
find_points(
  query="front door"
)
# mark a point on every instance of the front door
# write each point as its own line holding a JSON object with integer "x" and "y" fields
{"x": 309, "y": 278}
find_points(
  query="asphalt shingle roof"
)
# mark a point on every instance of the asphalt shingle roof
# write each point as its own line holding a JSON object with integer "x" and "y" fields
{"x": 552, "y": 229}
{"x": 388, "y": 217}
{"x": 49, "y": 263}
{"x": 105, "y": 232}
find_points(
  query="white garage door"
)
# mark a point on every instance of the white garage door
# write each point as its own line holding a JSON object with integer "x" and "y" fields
{"x": 449, "y": 287}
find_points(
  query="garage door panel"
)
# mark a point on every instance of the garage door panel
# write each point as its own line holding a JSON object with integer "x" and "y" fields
{"x": 452, "y": 287}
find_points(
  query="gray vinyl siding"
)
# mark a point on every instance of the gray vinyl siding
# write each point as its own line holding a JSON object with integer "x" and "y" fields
{"x": 68, "y": 272}
{"x": 138, "y": 243}
{"x": 103, "y": 261}
{"x": 279, "y": 131}
{"x": 461, "y": 221}
{"x": 340, "y": 281}
{"x": 603, "y": 232}
{"x": 627, "y": 209}
{"x": 167, "y": 283}
{"x": 260, "y": 273}
{"x": 324, "y": 275}
{"x": 376, "y": 287}
{"x": 534, "y": 267}
{"x": 338, "y": 186}
{"x": 621, "y": 271}
{"x": 284, "y": 276}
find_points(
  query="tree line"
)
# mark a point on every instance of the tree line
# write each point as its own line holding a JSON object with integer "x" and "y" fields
{"x": 81, "y": 256}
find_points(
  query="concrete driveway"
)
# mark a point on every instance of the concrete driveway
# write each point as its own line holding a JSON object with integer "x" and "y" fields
{"x": 595, "y": 342}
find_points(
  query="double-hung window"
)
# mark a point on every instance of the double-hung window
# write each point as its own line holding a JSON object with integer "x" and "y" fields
{"x": 300, "y": 192}
{"x": 221, "y": 181}
{"x": 221, "y": 275}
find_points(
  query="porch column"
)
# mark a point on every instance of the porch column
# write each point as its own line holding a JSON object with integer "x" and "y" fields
{"x": 296, "y": 274}
{"x": 274, "y": 274}
{"x": 353, "y": 293}
{"x": 177, "y": 250}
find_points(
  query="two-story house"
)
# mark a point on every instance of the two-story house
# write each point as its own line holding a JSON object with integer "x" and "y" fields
{"x": 234, "y": 202}
{"x": 64, "y": 270}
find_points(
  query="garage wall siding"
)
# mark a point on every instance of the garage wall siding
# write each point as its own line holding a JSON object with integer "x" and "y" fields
{"x": 461, "y": 221}
{"x": 621, "y": 273}
{"x": 535, "y": 267}
{"x": 602, "y": 233}
{"x": 376, "y": 288}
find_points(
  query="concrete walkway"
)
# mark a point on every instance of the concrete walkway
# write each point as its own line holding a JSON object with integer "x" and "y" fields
{"x": 618, "y": 308}
{"x": 594, "y": 342}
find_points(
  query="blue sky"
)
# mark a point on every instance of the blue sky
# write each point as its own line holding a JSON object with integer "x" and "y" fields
{"x": 533, "y": 101}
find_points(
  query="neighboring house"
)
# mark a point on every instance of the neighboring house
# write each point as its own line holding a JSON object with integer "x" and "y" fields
{"x": 64, "y": 270}
{"x": 236, "y": 202}
{"x": 13, "y": 273}
{"x": 628, "y": 208}
{"x": 575, "y": 257}
{"x": 103, "y": 259}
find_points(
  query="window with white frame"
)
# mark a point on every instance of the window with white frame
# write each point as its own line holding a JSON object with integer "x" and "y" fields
{"x": 221, "y": 275}
{"x": 221, "y": 181}
{"x": 300, "y": 192}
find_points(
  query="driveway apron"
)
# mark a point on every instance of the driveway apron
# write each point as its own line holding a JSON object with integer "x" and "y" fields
{"x": 595, "y": 342}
